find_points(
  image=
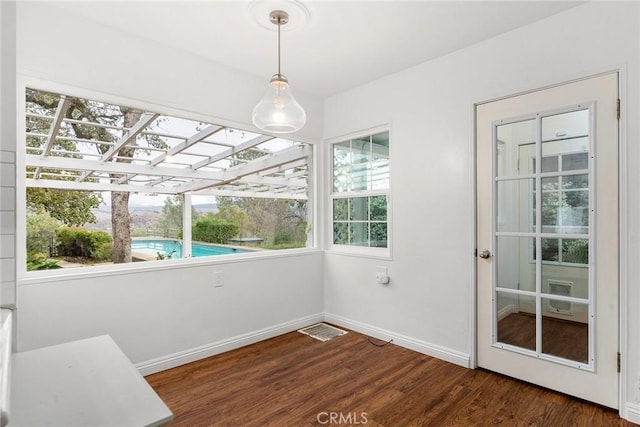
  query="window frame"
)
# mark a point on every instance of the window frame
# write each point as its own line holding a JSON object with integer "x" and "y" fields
{"x": 24, "y": 277}
{"x": 559, "y": 175}
{"x": 360, "y": 251}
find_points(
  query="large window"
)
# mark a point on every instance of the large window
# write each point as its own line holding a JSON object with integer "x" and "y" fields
{"x": 109, "y": 183}
{"x": 360, "y": 194}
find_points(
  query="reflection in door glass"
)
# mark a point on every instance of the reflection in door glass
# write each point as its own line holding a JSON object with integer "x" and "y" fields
{"x": 515, "y": 269}
{"x": 575, "y": 161}
{"x": 566, "y": 261}
{"x": 565, "y": 126}
{"x": 513, "y": 204}
{"x": 515, "y": 146}
{"x": 564, "y": 338}
{"x": 565, "y": 204}
{"x": 517, "y": 320}
{"x": 541, "y": 277}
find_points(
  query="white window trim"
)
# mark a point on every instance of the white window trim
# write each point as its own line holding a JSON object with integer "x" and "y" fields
{"x": 358, "y": 251}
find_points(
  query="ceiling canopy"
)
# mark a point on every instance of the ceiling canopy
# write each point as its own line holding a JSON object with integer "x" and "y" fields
{"x": 82, "y": 144}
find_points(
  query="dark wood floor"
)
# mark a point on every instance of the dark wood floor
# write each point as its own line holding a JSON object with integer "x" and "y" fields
{"x": 294, "y": 380}
{"x": 561, "y": 338}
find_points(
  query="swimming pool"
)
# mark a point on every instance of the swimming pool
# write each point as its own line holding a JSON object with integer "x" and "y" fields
{"x": 174, "y": 248}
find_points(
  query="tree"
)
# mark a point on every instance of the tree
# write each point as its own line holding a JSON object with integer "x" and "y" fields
{"x": 120, "y": 217}
{"x": 69, "y": 207}
{"x": 112, "y": 117}
{"x": 233, "y": 214}
{"x": 277, "y": 221}
{"x": 172, "y": 212}
{"x": 41, "y": 231}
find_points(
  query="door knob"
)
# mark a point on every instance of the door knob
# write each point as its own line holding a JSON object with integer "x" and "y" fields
{"x": 484, "y": 254}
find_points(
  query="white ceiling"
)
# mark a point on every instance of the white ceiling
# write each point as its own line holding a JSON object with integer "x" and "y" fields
{"x": 343, "y": 45}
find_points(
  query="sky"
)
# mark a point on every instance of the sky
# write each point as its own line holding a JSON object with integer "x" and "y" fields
{"x": 146, "y": 199}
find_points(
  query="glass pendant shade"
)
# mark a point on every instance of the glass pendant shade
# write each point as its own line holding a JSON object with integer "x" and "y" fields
{"x": 278, "y": 111}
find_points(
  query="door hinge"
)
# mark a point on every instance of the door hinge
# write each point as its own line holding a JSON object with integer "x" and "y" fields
{"x": 619, "y": 362}
{"x": 618, "y": 108}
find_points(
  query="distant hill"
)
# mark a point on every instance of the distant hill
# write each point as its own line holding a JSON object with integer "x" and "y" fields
{"x": 106, "y": 209}
{"x": 207, "y": 207}
{"x": 143, "y": 208}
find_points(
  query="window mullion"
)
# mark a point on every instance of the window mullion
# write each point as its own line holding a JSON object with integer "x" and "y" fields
{"x": 353, "y": 180}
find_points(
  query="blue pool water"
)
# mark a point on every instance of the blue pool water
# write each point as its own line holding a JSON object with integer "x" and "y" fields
{"x": 166, "y": 247}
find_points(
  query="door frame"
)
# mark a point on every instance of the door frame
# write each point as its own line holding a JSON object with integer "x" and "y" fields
{"x": 622, "y": 220}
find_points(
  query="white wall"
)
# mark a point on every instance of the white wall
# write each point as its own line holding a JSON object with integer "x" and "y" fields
{"x": 172, "y": 314}
{"x": 172, "y": 310}
{"x": 430, "y": 109}
{"x": 7, "y": 152}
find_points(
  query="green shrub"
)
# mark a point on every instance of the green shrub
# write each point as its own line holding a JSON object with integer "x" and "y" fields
{"x": 41, "y": 231}
{"x": 104, "y": 252}
{"x": 283, "y": 237}
{"x": 161, "y": 256}
{"x": 212, "y": 230}
{"x": 39, "y": 261}
{"x": 79, "y": 242}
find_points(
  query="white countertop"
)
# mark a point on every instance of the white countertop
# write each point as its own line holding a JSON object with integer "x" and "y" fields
{"x": 82, "y": 383}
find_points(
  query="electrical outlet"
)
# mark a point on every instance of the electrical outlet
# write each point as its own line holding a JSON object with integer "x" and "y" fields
{"x": 217, "y": 279}
{"x": 382, "y": 275}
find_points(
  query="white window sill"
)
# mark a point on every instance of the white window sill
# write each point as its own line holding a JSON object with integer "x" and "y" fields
{"x": 34, "y": 277}
{"x": 362, "y": 252}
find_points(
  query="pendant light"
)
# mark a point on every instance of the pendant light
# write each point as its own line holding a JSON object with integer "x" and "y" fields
{"x": 278, "y": 111}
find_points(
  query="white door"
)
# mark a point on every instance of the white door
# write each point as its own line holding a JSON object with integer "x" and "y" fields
{"x": 547, "y": 224}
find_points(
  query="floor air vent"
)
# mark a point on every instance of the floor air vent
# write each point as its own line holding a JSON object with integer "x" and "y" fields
{"x": 322, "y": 331}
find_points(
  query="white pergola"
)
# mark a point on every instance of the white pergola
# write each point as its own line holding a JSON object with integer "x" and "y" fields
{"x": 187, "y": 158}
{"x": 197, "y": 158}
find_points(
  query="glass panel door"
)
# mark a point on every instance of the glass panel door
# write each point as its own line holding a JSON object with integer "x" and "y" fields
{"x": 547, "y": 238}
{"x": 542, "y": 304}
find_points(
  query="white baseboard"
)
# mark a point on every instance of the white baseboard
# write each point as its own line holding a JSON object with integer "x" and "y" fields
{"x": 191, "y": 355}
{"x": 188, "y": 356}
{"x": 434, "y": 350}
{"x": 633, "y": 412}
{"x": 505, "y": 311}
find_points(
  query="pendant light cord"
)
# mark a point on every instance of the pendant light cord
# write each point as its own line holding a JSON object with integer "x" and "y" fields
{"x": 279, "y": 25}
